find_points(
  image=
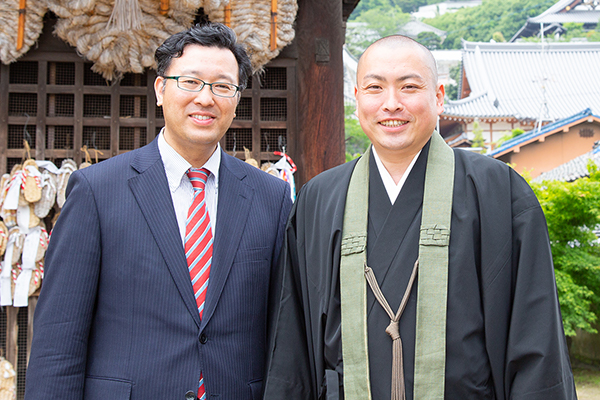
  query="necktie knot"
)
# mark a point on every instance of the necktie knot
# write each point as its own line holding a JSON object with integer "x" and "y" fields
{"x": 198, "y": 177}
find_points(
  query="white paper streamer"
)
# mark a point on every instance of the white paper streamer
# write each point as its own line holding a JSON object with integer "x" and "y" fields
{"x": 23, "y": 216}
{"x": 5, "y": 275}
{"x": 22, "y": 288}
{"x": 48, "y": 165}
{"x": 11, "y": 202}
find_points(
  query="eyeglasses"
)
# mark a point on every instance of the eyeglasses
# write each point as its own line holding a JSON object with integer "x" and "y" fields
{"x": 191, "y": 84}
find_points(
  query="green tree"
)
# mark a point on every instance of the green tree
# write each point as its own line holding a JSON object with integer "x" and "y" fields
{"x": 481, "y": 22}
{"x": 514, "y": 133}
{"x": 478, "y": 141}
{"x": 384, "y": 20}
{"x": 452, "y": 88}
{"x": 374, "y": 24}
{"x": 572, "y": 212}
{"x": 406, "y": 6}
{"x": 356, "y": 140}
{"x": 429, "y": 40}
{"x": 498, "y": 37}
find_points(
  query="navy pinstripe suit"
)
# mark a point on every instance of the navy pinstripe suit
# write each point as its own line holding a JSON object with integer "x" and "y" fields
{"x": 117, "y": 319}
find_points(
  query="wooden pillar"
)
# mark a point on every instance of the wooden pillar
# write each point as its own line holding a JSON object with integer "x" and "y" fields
{"x": 320, "y": 136}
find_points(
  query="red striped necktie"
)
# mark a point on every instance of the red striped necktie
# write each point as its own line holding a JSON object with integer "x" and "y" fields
{"x": 199, "y": 245}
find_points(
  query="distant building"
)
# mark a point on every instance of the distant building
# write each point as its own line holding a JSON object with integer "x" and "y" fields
{"x": 446, "y": 60}
{"x": 522, "y": 85}
{"x": 413, "y": 27}
{"x": 554, "y": 151}
{"x": 350, "y": 65}
{"x": 433, "y": 10}
{"x": 551, "y": 21}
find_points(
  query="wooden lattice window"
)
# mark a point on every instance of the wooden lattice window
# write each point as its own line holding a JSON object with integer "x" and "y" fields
{"x": 266, "y": 114}
{"x": 59, "y": 104}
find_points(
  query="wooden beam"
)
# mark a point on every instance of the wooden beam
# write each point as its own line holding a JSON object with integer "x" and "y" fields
{"x": 320, "y": 37}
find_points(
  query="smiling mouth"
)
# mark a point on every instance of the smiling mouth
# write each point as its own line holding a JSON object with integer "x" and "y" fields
{"x": 393, "y": 123}
{"x": 201, "y": 117}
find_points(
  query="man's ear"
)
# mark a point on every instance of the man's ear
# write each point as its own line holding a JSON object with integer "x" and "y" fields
{"x": 439, "y": 98}
{"x": 159, "y": 89}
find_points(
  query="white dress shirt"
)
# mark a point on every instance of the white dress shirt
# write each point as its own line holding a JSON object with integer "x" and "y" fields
{"x": 181, "y": 188}
{"x": 391, "y": 188}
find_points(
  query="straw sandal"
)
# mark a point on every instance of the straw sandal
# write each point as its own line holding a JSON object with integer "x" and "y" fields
{"x": 67, "y": 167}
{"x": 19, "y": 242}
{"x": 3, "y": 237}
{"x": 48, "y": 198}
{"x": 36, "y": 278}
{"x": 8, "y": 380}
{"x": 32, "y": 185}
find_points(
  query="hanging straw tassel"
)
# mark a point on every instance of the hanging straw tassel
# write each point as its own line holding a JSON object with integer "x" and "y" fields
{"x": 273, "y": 25}
{"x": 126, "y": 15}
{"x": 228, "y": 15}
{"x": 164, "y": 7}
{"x": 21, "y": 29}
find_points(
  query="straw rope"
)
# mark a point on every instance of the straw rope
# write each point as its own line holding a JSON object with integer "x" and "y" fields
{"x": 251, "y": 21}
{"x": 9, "y": 22}
{"x": 84, "y": 24}
{"x": 115, "y": 51}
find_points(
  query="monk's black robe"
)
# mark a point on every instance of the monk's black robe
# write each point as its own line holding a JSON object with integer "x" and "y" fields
{"x": 505, "y": 337}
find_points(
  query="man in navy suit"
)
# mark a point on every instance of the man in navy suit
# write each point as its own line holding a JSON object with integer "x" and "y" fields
{"x": 117, "y": 316}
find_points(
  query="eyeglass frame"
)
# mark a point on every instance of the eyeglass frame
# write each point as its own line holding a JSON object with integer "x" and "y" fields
{"x": 176, "y": 78}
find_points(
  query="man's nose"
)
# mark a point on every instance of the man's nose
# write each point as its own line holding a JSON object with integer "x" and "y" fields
{"x": 393, "y": 101}
{"x": 205, "y": 96}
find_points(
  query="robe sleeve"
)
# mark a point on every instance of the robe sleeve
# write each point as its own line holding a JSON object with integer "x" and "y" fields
{"x": 536, "y": 364}
{"x": 288, "y": 370}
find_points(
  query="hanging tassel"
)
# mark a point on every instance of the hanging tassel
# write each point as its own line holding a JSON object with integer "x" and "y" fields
{"x": 126, "y": 15}
{"x": 228, "y": 15}
{"x": 164, "y": 7}
{"x": 21, "y": 29}
{"x": 273, "y": 25}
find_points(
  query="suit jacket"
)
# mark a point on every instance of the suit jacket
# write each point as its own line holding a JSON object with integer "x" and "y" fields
{"x": 117, "y": 318}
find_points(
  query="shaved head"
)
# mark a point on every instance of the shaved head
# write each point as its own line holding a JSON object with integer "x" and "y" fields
{"x": 399, "y": 42}
{"x": 398, "y": 99}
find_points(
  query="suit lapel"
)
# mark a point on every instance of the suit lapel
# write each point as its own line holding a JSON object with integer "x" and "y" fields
{"x": 235, "y": 198}
{"x": 151, "y": 190}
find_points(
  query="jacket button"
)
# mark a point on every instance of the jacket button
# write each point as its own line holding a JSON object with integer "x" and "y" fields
{"x": 190, "y": 395}
{"x": 203, "y": 338}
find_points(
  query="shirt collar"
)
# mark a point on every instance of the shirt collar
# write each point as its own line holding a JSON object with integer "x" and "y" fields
{"x": 176, "y": 166}
{"x": 388, "y": 182}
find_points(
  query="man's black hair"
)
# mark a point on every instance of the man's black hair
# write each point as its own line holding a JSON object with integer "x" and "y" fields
{"x": 209, "y": 35}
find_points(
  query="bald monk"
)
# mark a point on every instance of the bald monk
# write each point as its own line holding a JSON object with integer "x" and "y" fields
{"x": 418, "y": 271}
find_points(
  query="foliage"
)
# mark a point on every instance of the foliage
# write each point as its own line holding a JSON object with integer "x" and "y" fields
{"x": 429, "y": 40}
{"x": 491, "y": 17}
{"x": 478, "y": 140}
{"x": 373, "y": 24}
{"x": 514, "y": 133}
{"x": 576, "y": 30}
{"x": 573, "y": 31}
{"x": 572, "y": 211}
{"x": 406, "y": 6}
{"x": 356, "y": 140}
{"x": 498, "y": 37}
{"x": 452, "y": 88}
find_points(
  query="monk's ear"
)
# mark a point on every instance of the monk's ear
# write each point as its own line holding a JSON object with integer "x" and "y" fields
{"x": 439, "y": 98}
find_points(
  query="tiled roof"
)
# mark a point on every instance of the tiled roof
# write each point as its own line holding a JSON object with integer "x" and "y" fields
{"x": 545, "y": 130}
{"x": 511, "y": 80}
{"x": 572, "y": 170}
{"x": 559, "y": 14}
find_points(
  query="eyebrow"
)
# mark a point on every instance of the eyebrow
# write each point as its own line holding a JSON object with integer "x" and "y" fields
{"x": 399, "y": 79}
{"x": 196, "y": 73}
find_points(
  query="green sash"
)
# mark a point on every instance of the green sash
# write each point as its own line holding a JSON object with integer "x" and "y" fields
{"x": 430, "y": 342}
